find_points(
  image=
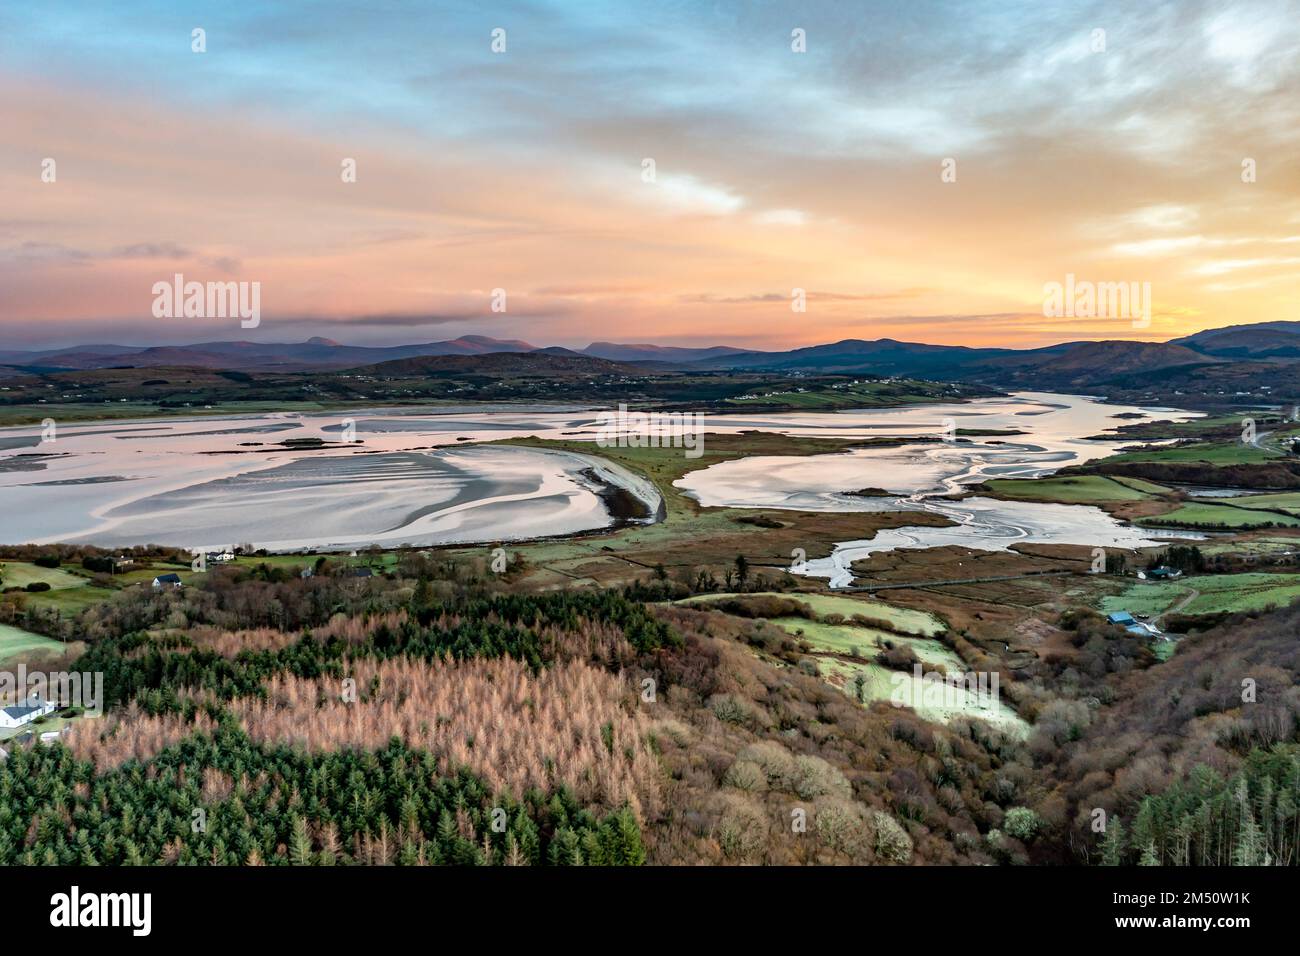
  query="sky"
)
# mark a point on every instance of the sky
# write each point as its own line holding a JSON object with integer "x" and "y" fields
{"x": 634, "y": 172}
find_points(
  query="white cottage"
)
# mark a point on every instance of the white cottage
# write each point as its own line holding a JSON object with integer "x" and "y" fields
{"x": 16, "y": 715}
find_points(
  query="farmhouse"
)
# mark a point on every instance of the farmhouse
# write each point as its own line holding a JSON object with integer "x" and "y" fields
{"x": 167, "y": 580}
{"x": 1163, "y": 574}
{"x": 1138, "y": 629}
{"x": 16, "y": 715}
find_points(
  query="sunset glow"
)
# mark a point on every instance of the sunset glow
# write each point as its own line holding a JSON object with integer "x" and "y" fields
{"x": 523, "y": 170}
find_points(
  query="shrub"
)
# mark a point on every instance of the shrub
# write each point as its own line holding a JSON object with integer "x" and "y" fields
{"x": 728, "y": 709}
{"x": 1021, "y": 823}
{"x": 36, "y": 586}
{"x": 839, "y": 825}
{"x": 742, "y": 831}
{"x": 891, "y": 841}
{"x": 745, "y": 775}
{"x": 814, "y": 777}
{"x": 775, "y": 761}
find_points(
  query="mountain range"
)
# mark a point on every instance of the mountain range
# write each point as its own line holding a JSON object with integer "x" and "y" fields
{"x": 1071, "y": 364}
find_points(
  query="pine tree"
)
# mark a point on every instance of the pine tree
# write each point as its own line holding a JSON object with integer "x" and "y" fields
{"x": 300, "y": 843}
{"x": 1112, "y": 843}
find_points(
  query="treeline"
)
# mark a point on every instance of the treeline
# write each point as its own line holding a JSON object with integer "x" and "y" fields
{"x": 1183, "y": 557}
{"x": 1251, "y": 818}
{"x": 1167, "y": 749}
{"x": 155, "y": 671}
{"x": 221, "y": 800}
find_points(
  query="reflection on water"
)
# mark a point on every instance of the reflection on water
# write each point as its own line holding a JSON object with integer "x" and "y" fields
{"x": 916, "y": 474}
{"x": 225, "y": 480}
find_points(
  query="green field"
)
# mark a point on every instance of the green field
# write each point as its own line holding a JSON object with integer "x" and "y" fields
{"x": 1073, "y": 489}
{"x": 1216, "y": 593}
{"x": 1261, "y": 545}
{"x": 903, "y": 620}
{"x": 1214, "y": 453}
{"x": 830, "y": 395}
{"x": 19, "y": 574}
{"x": 13, "y": 415}
{"x": 865, "y": 641}
{"x": 15, "y": 642}
{"x": 1201, "y": 514}
{"x": 1286, "y": 501}
{"x": 881, "y": 683}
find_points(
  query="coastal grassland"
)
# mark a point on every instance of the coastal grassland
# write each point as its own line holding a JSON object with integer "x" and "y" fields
{"x": 1215, "y": 594}
{"x": 1073, "y": 489}
{"x": 1288, "y": 502}
{"x": 691, "y": 535}
{"x": 832, "y": 394}
{"x": 65, "y": 412}
{"x": 1202, "y": 514}
{"x": 1210, "y": 453}
{"x": 1259, "y": 544}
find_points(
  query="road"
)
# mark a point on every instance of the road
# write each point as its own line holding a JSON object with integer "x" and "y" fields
{"x": 1192, "y": 595}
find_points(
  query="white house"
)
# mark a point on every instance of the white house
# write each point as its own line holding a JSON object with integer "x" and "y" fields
{"x": 167, "y": 580}
{"x": 15, "y": 715}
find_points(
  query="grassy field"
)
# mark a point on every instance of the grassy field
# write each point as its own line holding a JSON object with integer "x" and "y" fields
{"x": 1202, "y": 514}
{"x": 14, "y": 415}
{"x": 1073, "y": 489}
{"x": 70, "y": 600}
{"x": 1213, "y": 453}
{"x": 1264, "y": 544}
{"x": 881, "y": 683}
{"x": 903, "y": 620}
{"x": 19, "y": 574}
{"x": 15, "y": 642}
{"x": 865, "y": 641}
{"x": 1216, "y": 593}
{"x": 861, "y": 395}
{"x": 1286, "y": 501}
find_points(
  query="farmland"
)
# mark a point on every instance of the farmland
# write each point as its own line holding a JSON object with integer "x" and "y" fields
{"x": 1074, "y": 489}
{"x": 16, "y": 644}
{"x": 1215, "y": 594}
{"x": 1203, "y": 514}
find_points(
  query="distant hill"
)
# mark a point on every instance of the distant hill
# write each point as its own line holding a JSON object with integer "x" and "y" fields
{"x": 661, "y": 353}
{"x": 499, "y": 363}
{"x": 1265, "y": 340}
{"x": 874, "y": 356}
{"x": 1112, "y": 366}
{"x": 315, "y": 353}
{"x": 1088, "y": 364}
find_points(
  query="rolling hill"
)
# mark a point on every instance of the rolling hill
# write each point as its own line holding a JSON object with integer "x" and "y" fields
{"x": 498, "y": 363}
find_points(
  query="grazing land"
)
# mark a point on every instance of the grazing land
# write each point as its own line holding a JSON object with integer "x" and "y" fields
{"x": 17, "y": 644}
{"x": 1213, "y": 594}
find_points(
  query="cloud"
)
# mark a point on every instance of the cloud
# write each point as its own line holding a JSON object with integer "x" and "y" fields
{"x": 151, "y": 250}
{"x": 775, "y": 169}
